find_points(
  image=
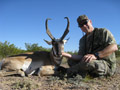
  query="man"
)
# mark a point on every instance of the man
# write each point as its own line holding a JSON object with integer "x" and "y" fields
{"x": 96, "y": 54}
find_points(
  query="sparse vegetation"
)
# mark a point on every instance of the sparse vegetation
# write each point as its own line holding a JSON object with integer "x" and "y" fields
{"x": 7, "y": 49}
{"x": 34, "y": 47}
{"x": 24, "y": 85}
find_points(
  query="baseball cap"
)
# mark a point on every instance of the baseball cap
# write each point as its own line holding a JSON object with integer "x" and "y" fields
{"x": 82, "y": 18}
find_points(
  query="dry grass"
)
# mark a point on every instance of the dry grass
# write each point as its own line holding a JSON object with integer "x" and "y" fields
{"x": 55, "y": 83}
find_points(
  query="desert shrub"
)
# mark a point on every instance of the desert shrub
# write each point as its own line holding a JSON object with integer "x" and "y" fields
{"x": 7, "y": 49}
{"x": 34, "y": 47}
{"x": 24, "y": 85}
{"x": 117, "y": 53}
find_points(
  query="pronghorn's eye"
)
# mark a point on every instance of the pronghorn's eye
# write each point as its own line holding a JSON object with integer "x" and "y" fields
{"x": 53, "y": 43}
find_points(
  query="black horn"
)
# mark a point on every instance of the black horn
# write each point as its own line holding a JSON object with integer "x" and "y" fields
{"x": 47, "y": 30}
{"x": 67, "y": 29}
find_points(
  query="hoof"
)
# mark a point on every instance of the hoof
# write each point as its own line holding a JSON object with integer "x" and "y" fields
{"x": 21, "y": 73}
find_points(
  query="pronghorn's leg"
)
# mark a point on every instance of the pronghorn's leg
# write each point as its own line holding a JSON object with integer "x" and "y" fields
{"x": 37, "y": 72}
{"x": 5, "y": 73}
{"x": 21, "y": 73}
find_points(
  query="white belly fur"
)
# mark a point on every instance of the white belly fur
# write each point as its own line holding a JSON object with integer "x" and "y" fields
{"x": 26, "y": 65}
{"x": 30, "y": 67}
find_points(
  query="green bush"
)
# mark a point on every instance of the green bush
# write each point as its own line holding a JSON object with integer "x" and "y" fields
{"x": 117, "y": 53}
{"x": 7, "y": 49}
{"x": 34, "y": 47}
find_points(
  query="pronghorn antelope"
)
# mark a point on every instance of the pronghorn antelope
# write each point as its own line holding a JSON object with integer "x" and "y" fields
{"x": 30, "y": 63}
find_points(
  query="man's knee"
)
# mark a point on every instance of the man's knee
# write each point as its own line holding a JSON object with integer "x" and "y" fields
{"x": 99, "y": 68}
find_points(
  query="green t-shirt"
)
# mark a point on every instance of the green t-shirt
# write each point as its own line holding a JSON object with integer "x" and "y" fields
{"x": 97, "y": 41}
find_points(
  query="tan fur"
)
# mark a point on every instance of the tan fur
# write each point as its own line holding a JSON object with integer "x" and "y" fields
{"x": 47, "y": 70}
{"x": 11, "y": 65}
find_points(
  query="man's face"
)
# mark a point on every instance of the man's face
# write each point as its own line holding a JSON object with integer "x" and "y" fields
{"x": 85, "y": 26}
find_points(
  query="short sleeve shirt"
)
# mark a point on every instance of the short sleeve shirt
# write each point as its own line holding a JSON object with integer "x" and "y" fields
{"x": 97, "y": 41}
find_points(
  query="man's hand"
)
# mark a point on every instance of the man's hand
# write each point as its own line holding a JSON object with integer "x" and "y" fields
{"x": 89, "y": 57}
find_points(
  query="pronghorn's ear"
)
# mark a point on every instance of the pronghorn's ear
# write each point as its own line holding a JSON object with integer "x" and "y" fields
{"x": 48, "y": 42}
{"x": 65, "y": 41}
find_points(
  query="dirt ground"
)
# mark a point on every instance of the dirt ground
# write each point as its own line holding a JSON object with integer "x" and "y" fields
{"x": 55, "y": 83}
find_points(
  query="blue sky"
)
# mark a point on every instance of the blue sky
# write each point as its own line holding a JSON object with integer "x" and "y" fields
{"x": 23, "y": 21}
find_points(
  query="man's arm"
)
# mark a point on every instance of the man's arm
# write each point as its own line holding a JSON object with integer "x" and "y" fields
{"x": 108, "y": 50}
{"x": 87, "y": 58}
{"x": 105, "y": 52}
{"x": 74, "y": 57}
